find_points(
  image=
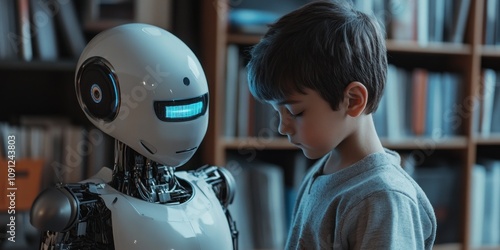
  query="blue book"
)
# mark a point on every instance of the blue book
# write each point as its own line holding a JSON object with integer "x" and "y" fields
{"x": 477, "y": 205}
{"x": 440, "y": 183}
{"x": 434, "y": 106}
{"x": 451, "y": 84}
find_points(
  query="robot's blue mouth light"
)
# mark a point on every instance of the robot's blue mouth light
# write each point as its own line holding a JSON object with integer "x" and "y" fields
{"x": 181, "y": 110}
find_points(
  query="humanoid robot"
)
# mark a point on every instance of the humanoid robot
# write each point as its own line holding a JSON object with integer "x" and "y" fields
{"x": 144, "y": 87}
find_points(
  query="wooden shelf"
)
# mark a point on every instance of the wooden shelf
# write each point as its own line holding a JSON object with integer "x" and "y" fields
{"x": 456, "y": 142}
{"x": 490, "y": 51}
{"x": 429, "y": 49}
{"x": 36, "y": 65}
{"x": 493, "y": 139}
{"x": 392, "y": 45}
{"x": 243, "y": 39}
{"x": 257, "y": 143}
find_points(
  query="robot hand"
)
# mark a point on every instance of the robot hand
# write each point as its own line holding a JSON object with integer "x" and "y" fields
{"x": 144, "y": 87}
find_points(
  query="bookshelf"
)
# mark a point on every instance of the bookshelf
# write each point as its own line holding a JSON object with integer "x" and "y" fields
{"x": 467, "y": 58}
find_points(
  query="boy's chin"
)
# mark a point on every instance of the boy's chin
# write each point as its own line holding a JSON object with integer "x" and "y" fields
{"x": 312, "y": 155}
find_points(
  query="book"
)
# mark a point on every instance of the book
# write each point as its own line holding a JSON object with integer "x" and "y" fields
{"x": 439, "y": 180}
{"x": 244, "y": 104}
{"x": 434, "y": 106}
{"x": 436, "y": 20}
{"x": 419, "y": 102}
{"x": 268, "y": 201}
{"x": 495, "y": 203}
{"x": 422, "y": 20}
{"x": 12, "y": 30}
{"x": 231, "y": 89}
{"x": 69, "y": 27}
{"x": 460, "y": 16}
{"x": 394, "y": 124}
{"x": 405, "y": 93}
{"x": 23, "y": 37}
{"x": 476, "y": 116}
{"x": 495, "y": 117}
{"x": 154, "y": 12}
{"x": 497, "y": 25}
{"x": 6, "y": 20}
{"x": 487, "y": 94}
{"x": 4, "y": 141}
{"x": 23, "y": 139}
{"x": 451, "y": 120}
{"x": 490, "y": 22}
{"x": 491, "y": 214}
{"x": 380, "y": 117}
{"x": 403, "y": 20}
{"x": 72, "y": 166}
{"x": 477, "y": 189}
{"x": 36, "y": 143}
{"x": 449, "y": 21}
{"x": 44, "y": 31}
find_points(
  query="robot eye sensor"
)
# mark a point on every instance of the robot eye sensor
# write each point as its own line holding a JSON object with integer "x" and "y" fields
{"x": 181, "y": 110}
{"x": 97, "y": 89}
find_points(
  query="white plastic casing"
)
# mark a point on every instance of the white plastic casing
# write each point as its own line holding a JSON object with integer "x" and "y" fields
{"x": 198, "y": 224}
{"x": 150, "y": 64}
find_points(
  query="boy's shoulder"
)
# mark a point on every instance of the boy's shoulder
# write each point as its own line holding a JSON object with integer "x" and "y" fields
{"x": 387, "y": 180}
{"x": 383, "y": 171}
{"x": 379, "y": 172}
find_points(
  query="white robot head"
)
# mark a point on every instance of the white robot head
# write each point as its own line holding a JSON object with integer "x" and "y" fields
{"x": 144, "y": 87}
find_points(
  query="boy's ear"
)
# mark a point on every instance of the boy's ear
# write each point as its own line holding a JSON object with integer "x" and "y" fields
{"x": 356, "y": 96}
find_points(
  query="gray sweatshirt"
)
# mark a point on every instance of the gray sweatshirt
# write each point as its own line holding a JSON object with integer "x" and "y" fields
{"x": 373, "y": 204}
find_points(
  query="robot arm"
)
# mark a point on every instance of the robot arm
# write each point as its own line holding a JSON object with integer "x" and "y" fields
{"x": 73, "y": 216}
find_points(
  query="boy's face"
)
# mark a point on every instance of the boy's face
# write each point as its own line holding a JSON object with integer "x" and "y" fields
{"x": 311, "y": 124}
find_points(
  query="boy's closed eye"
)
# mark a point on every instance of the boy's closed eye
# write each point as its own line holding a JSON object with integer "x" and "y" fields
{"x": 289, "y": 111}
{"x": 295, "y": 114}
{"x": 293, "y": 110}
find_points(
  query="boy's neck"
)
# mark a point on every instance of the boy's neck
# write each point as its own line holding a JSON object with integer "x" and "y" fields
{"x": 356, "y": 146}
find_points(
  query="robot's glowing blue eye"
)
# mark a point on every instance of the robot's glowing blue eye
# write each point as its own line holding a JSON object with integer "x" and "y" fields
{"x": 181, "y": 110}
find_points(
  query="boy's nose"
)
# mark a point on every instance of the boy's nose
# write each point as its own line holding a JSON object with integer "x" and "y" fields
{"x": 284, "y": 127}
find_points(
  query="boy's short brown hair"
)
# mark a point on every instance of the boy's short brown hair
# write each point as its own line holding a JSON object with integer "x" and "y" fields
{"x": 323, "y": 46}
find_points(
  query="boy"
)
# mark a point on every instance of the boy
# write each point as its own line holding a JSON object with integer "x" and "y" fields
{"x": 323, "y": 68}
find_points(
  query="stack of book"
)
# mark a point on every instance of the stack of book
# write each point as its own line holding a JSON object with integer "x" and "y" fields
{"x": 420, "y": 102}
{"x": 39, "y": 30}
